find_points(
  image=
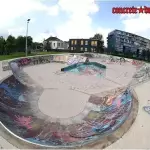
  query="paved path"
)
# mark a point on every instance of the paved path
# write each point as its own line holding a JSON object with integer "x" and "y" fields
{"x": 4, "y": 144}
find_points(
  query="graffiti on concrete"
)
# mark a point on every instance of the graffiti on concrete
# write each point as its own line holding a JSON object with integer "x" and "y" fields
{"x": 5, "y": 65}
{"x": 76, "y": 59}
{"x": 87, "y": 68}
{"x": 24, "y": 61}
{"x": 18, "y": 113}
{"x": 147, "y": 109}
{"x": 19, "y": 96}
{"x": 35, "y": 60}
{"x": 137, "y": 63}
{"x": 141, "y": 76}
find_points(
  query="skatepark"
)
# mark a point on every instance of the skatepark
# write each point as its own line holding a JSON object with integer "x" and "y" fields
{"x": 95, "y": 104}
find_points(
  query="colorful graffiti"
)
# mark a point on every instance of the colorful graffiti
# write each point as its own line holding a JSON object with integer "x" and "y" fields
{"x": 19, "y": 96}
{"x": 18, "y": 115}
{"x": 35, "y": 60}
{"x": 89, "y": 68}
{"x": 137, "y": 63}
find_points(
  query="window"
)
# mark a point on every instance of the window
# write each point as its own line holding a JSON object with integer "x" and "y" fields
{"x": 75, "y": 42}
{"x": 72, "y": 42}
{"x": 82, "y": 42}
{"x": 91, "y": 49}
{"x": 61, "y": 44}
{"x": 71, "y": 48}
{"x": 81, "y": 48}
{"x": 58, "y": 44}
{"x": 85, "y": 49}
{"x": 95, "y": 43}
{"x": 54, "y": 44}
{"x": 92, "y": 43}
{"x": 86, "y": 42}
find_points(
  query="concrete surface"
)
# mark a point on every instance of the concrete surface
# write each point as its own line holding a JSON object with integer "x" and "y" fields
{"x": 62, "y": 100}
{"x": 116, "y": 76}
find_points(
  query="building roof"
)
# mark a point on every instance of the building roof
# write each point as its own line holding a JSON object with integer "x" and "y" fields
{"x": 51, "y": 38}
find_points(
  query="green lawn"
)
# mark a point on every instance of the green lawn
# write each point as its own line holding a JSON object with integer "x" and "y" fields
{"x": 21, "y": 54}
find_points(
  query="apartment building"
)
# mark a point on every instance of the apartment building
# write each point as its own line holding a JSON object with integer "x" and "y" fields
{"x": 122, "y": 41}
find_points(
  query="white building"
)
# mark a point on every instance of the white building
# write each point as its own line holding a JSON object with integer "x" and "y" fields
{"x": 55, "y": 43}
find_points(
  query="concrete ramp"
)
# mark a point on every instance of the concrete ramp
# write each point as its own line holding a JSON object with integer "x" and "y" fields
{"x": 103, "y": 115}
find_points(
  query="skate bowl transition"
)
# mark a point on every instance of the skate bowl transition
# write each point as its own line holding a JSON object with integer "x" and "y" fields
{"x": 106, "y": 117}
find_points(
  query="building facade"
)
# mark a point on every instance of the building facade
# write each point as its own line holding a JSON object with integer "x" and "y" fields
{"x": 55, "y": 43}
{"x": 85, "y": 45}
{"x": 122, "y": 41}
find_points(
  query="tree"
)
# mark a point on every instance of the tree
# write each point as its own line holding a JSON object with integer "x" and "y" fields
{"x": 30, "y": 41}
{"x": 37, "y": 46}
{"x": 98, "y": 36}
{"x": 10, "y": 45}
{"x": 20, "y": 44}
{"x": 100, "y": 47}
{"x": 47, "y": 46}
{"x": 2, "y": 45}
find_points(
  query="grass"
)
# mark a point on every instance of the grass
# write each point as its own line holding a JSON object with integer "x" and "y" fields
{"x": 22, "y": 54}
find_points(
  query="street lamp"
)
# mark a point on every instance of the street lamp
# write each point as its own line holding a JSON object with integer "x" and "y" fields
{"x": 27, "y": 37}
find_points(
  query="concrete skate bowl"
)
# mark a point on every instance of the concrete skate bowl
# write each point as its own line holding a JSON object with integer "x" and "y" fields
{"x": 104, "y": 120}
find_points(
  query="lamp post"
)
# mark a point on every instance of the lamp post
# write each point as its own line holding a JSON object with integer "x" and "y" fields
{"x": 26, "y": 46}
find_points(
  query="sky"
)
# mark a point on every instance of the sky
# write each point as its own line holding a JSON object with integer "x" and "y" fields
{"x": 68, "y": 19}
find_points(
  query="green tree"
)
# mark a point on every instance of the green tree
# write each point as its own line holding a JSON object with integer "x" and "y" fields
{"x": 20, "y": 44}
{"x": 37, "y": 46}
{"x": 2, "y": 45}
{"x": 10, "y": 45}
{"x": 30, "y": 41}
{"x": 98, "y": 36}
{"x": 100, "y": 46}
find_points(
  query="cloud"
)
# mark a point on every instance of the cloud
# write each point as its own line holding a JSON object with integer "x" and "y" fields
{"x": 16, "y": 31}
{"x": 104, "y": 32}
{"x": 80, "y": 20}
{"x": 4, "y": 34}
{"x": 138, "y": 24}
{"x": 79, "y": 24}
{"x": 127, "y": 16}
{"x": 41, "y": 36}
{"x": 84, "y": 7}
{"x": 53, "y": 10}
{"x": 10, "y": 10}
